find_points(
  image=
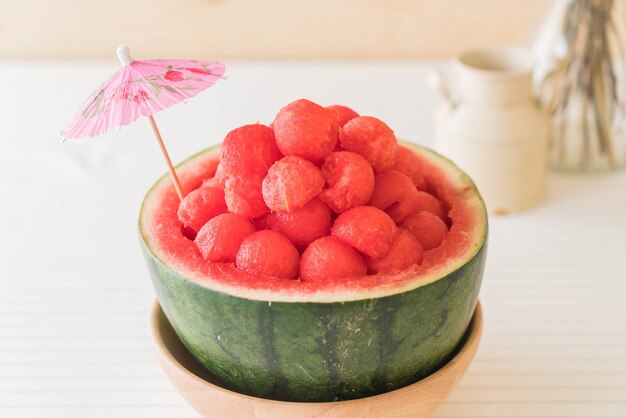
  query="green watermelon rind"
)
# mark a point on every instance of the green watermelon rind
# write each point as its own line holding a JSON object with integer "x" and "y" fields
{"x": 321, "y": 350}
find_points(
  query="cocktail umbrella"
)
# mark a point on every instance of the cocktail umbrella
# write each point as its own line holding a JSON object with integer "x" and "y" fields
{"x": 142, "y": 88}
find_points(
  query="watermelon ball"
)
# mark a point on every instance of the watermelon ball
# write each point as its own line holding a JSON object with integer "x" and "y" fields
{"x": 344, "y": 113}
{"x": 214, "y": 181}
{"x": 429, "y": 203}
{"x": 306, "y": 129}
{"x": 244, "y": 196}
{"x": 219, "y": 176}
{"x": 303, "y": 225}
{"x": 429, "y": 229}
{"x": 291, "y": 183}
{"x": 408, "y": 164}
{"x": 249, "y": 149}
{"x": 329, "y": 258}
{"x": 220, "y": 238}
{"x": 394, "y": 193}
{"x": 405, "y": 251}
{"x": 371, "y": 138}
{"x": 350, "y": 180}
{"x": 366, "y": 228}
{"x": 268, "y": 253}
{"x": 217, "y": 180}
{"x": 199, "y": 206}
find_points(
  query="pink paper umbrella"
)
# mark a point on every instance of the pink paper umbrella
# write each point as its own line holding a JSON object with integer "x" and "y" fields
{"x": 142, "y": 88}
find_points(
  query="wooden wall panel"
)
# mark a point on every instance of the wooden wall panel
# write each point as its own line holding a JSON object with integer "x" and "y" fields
{"x": 261, "y": 29}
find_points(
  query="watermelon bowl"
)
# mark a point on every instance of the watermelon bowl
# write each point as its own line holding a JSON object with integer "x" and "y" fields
{"x": 351, "y": 322}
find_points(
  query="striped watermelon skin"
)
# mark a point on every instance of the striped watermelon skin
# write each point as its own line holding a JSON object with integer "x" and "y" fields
{"x": 313, "y": 351}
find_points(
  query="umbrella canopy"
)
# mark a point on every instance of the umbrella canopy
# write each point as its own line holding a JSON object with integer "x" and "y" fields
{"x": 142, "y": 88}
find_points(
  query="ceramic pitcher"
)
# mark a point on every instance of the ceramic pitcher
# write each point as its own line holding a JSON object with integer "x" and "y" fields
{"x": 492, "y": 127}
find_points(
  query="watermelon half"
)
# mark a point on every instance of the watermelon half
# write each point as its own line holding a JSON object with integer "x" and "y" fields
{"x": 312, "y": 341}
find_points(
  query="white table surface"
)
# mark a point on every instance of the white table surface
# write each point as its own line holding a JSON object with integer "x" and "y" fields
{"x": 75, "y": 295}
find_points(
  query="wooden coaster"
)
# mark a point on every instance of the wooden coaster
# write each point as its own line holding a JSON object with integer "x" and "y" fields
{"x": 207, "y": 397}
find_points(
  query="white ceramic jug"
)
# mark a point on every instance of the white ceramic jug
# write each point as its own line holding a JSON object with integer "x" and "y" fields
{"x": 492, "y": 127}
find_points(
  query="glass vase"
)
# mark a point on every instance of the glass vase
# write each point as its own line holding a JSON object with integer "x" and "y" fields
{"x": 580, "y": 78}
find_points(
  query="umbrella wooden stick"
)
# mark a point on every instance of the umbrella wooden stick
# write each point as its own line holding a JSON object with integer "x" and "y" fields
{"x": 177, "y": 185}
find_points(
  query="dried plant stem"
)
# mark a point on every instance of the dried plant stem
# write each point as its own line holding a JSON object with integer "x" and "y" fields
{"x": 584, "y": 156}
{"x": 603, "y": 124}
{"x": 588, "y": 90}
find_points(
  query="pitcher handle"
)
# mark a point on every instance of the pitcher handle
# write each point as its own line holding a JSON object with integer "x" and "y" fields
{"x": 441, "y": 83}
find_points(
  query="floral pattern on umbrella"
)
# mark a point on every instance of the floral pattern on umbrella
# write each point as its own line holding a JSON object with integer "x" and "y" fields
{"x": 141, "y": 88}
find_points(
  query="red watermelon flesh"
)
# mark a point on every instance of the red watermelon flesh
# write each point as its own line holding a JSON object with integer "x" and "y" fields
{"x": 306, "y": 129}
{"x": 372, "y": 139}
{"x": 429, "y": 229}
{"x": 268, "y": 253}
{"x": 408, "y": 164}
{"x": 215, "y": 181}
{"x": 405, "y": 251}
{"x": 277, "y": 205}
{"x": 199, "y": 206}
{"x": 244, "y": 195}
{"x": 218, "y": 180}
{"x": 394, "y": 193}
{"x": 166, "y": 237}
{"x": 367, "y": 229}
{"x": 429, "y": 203}
{"x": 329, "y": 258}
{"x": 303, "y": 225}
{"x": 246, "y": 155}
{"x": 248, "y": 150}
{"x": 350, "y": 181}
{"x": 220, "y": 238}
{"x": 291, "y": 183}
{"x": 344, "y": 113}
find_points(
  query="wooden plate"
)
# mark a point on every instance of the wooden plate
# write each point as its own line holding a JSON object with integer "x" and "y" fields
{"x": 207, "y": 397}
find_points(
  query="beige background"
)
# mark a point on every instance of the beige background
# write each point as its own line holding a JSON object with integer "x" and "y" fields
{"x": 262, "y": 29}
